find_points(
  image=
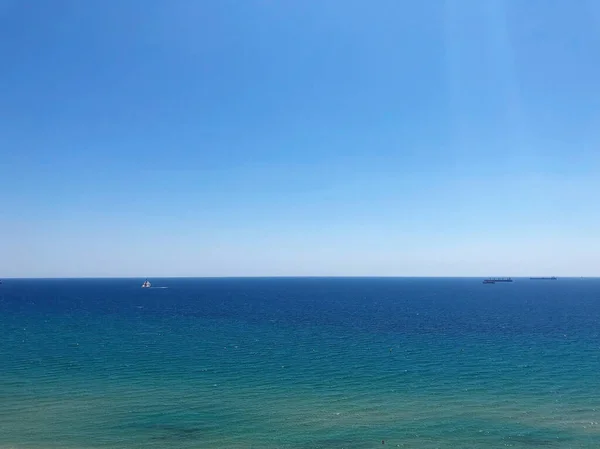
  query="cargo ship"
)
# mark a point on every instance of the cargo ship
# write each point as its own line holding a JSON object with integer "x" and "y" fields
{"x": 552, "y": 278}
{"x": 494, "y": 280}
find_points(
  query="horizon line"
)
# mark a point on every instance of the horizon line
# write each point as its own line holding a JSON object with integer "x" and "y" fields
{"x": 289, "y": 277}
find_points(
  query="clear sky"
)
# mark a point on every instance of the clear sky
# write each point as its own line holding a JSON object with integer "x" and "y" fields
{"x": 334, "y": 137}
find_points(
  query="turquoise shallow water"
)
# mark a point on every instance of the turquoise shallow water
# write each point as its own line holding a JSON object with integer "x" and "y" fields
{"x": 300, "y": 363}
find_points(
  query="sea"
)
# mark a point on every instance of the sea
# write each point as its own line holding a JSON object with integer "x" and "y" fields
{"x": 299, "y": 363}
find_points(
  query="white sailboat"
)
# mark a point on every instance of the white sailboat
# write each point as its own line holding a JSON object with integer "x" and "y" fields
{"x": 146, "y": 284}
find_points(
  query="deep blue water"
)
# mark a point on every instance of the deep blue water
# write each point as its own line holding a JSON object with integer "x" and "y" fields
{"x": 300, "y": 363}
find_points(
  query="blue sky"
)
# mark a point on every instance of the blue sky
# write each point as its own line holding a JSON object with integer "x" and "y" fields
{"x": 216, "y": 138}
